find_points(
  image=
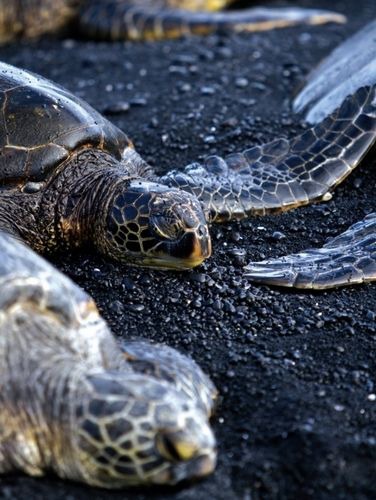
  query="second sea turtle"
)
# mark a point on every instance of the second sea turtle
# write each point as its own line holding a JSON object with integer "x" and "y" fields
{"x": 75, "y": 403}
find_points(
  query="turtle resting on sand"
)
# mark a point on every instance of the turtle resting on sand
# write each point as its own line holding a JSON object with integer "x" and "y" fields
{"x": 145, "y": 19}
{"x": 340, "y": 145}
{"x": 74, "y": 403}
{"x": 70, "y": 178}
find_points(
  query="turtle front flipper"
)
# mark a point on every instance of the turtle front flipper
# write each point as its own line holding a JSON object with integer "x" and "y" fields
{"x": 153, "y": 20}
{"x": 348, "y": 259}
{"x": 283, "y": 174}
{"x": 349, "y": 66}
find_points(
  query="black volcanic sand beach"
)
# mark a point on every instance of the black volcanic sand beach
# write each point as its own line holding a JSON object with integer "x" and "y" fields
{"x": 296, "y": 370}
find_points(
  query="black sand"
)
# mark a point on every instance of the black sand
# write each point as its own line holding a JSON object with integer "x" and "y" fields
{"x": 296, "y": 370}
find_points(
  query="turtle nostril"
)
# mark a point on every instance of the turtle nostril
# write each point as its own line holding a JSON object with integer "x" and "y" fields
{"x": 201, "y": 231}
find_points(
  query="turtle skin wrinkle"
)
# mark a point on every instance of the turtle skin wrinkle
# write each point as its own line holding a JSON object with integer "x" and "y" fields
{"x": 145, "y": 19}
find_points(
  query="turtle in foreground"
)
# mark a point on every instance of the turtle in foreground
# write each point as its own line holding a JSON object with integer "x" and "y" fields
{"x": 145, "y": 19}
{"x": 75, "y": 403}
{"x": 350, "y": 257}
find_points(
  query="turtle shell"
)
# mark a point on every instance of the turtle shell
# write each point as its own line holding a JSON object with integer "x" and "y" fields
{"x": 41, "y": 124}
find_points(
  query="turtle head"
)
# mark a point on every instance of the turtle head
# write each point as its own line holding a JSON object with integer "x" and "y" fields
{"x": 149, "y": 224}
{"x": 135, "y": 430}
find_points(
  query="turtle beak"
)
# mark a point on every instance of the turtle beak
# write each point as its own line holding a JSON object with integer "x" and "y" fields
{"x": 200, "y": 247}
{"x": 195, "y": 469}
{"x": 193, "y": 247}
{"x": 189, "y": 251}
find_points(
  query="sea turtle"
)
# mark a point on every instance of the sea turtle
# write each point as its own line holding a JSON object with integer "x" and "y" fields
{"x": 73, "y": 402}
{"x": 69, "y": 177}
{"x": 145, "y": 19}
{"x": 351, "y": 257}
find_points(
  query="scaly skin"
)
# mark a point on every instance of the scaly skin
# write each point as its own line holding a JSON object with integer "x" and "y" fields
{"x": 144, "y": 19}
{"x": 77, "y": 179}
{"x": 159, "y": 19}
{"x": 71, "y": 401}
{"x": 284, "y": 174}
{"x": 348, "y": 259}
{"x": 95, "y": 201}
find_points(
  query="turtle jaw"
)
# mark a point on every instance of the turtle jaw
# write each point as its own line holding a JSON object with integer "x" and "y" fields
{"x": 185, "y": 253}
{"x": 196, "y": 469}
{"x": 170, "y": 263}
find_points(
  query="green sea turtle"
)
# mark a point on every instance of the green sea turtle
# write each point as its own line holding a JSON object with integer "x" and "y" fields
{"x": 351, "y": 257}
{"x": 74, "y": 403}
{"x": 145, "y": 19}
{"x": 70, "y": 178}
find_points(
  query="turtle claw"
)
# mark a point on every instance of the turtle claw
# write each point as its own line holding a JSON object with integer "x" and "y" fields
{"x": 348, "y": 259}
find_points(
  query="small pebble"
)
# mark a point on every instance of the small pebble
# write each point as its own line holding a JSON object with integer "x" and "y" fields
{"x": 116, "y": 108}
{"x": 277, "y": 235}
{"x": 207, "y": 90}
{"x": 241, "y": 83}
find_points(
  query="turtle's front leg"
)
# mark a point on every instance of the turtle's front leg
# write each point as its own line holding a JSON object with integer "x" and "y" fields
{"x": 348, "y": 259}
{"x": 284, "y": 174}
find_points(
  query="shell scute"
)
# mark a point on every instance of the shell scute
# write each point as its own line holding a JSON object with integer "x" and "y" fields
{"x": 41, "y": 124}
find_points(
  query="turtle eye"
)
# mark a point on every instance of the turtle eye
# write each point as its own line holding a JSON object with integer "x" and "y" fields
{"x": 167, "y": 227}
{"x": 174, "y": 449}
